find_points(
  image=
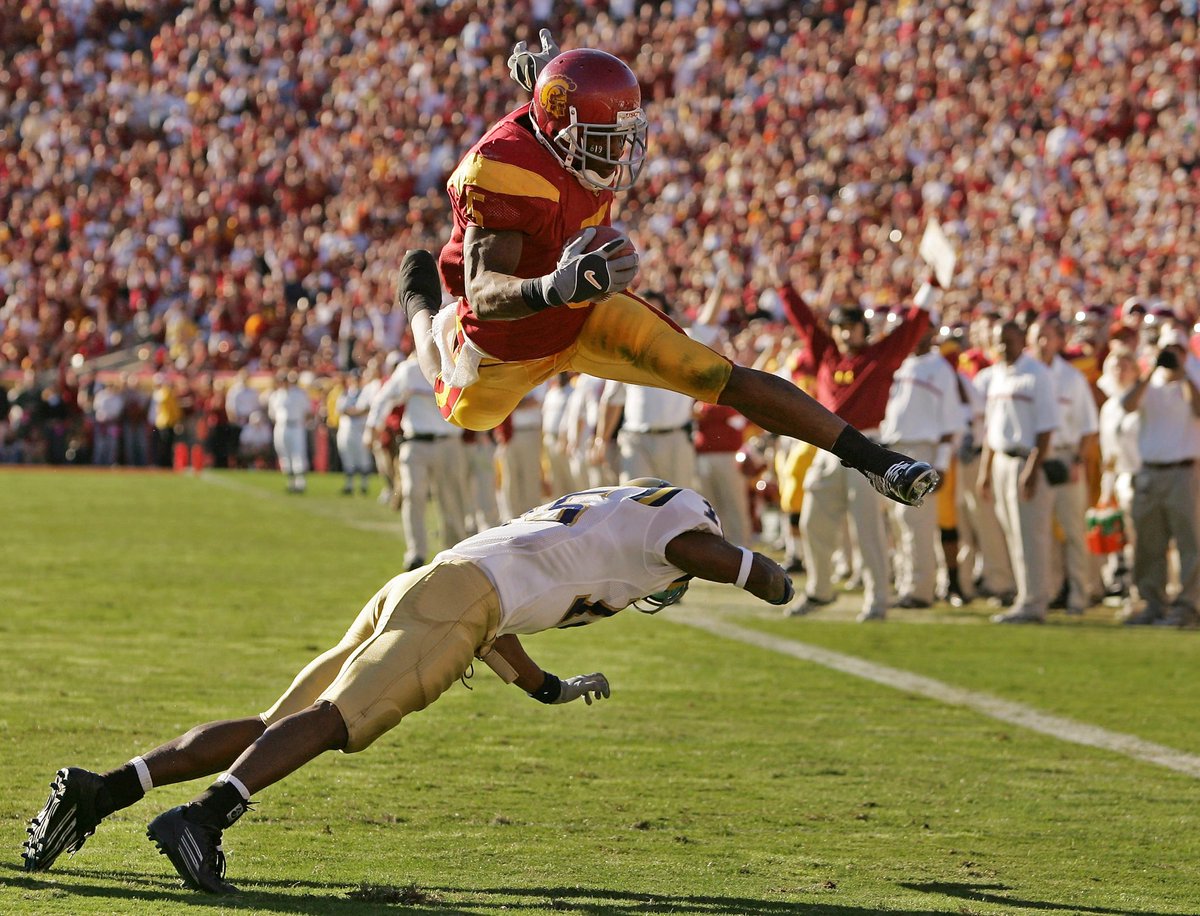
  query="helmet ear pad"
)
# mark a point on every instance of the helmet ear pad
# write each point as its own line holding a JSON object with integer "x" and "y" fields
{"x": 587, "y": 110}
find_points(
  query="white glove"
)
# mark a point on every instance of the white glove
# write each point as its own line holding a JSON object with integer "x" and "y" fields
{"x": 585, "y": 275}
{"x": 525, "y": 65}
{"x": 588, "y": 686}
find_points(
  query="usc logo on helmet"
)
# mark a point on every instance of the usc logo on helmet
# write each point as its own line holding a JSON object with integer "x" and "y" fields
{"x": 555, "y": 95}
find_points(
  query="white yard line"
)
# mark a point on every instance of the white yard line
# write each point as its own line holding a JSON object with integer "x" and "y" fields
{"x": 996, "y": 708}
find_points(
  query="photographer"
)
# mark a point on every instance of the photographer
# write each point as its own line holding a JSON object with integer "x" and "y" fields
{"x": 1164, "y": 490}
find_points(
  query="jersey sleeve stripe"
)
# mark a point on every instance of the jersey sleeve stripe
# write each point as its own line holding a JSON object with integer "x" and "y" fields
{"x": 657, "y": 496}
{"x": 501, "y": 178}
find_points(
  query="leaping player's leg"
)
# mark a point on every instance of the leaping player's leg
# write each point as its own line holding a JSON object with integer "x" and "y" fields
{"x": 780, "y": 407}
{"x": 629, "y": 340}
{"x": 419, "y": 293}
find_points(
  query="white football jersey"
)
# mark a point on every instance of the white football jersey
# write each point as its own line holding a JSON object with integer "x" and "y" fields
{"x": 585, "y": 556}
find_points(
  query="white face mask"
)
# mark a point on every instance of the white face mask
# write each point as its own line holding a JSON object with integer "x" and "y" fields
{"x": 576, "y": 146}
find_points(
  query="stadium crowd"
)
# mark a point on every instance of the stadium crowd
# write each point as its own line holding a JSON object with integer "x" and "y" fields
{"x": 224, "y": 188}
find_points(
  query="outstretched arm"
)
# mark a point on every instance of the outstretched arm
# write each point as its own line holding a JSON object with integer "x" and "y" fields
{"x": 542, "y": 685}
{"x": 709, "y": 556}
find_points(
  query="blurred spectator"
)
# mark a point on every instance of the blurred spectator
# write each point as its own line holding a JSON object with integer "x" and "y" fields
{"x": 107, "y": 405}
{"x": 853, "y": 376}
{"x": 519, "y": 455}
{"x": 429, "y": 464}
{"x": 1120, "y": 461}
{"x": 351, "y": 434}
{"x": 289, "y": 409}
{"x": 167, "y": 415}
{"x": 1020, "y": 417}
{"x": 241, "y": 400}
{"x": 255, "y": 442}
{"x": 135, "y": 427}
{"x": 554, "y": 436}
{"x": 1164, "y": 505}
{"x": 479, "y": 489}
{"x": 720, "y": 432}
{"x": 1073, "y": 574}
{"x": 655, "y": 435}
{"x": 923, "y": 415}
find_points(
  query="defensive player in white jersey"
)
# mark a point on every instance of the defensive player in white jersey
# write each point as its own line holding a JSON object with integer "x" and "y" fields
{"x": 576, "y": 560}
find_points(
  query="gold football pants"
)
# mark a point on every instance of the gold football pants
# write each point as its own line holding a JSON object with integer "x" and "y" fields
{"x": 411, "y": 641}
{"x": 625, "y": 339}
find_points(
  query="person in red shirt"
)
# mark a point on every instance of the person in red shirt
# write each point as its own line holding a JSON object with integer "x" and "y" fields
{"x": 853, "y": 378}
{"x": 720, "y": 432}
{"x": 533, "y": 301}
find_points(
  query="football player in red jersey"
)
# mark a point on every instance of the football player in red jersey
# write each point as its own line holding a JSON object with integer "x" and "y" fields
{"x": 534, "y": 301}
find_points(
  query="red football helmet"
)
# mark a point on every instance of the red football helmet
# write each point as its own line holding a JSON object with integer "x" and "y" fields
{"x": 587, "y": 110}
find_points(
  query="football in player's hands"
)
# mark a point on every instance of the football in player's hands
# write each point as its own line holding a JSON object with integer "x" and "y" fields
{"x": 596, "y": 262}
{"x": 602, "y": 236}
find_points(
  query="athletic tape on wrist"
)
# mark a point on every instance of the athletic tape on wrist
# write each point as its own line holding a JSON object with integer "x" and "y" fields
{"x": 143, "y": 773}
{"x": 534, "y": 295}
{"x": 550, "y": 690}
{"x": 744, "y": 571}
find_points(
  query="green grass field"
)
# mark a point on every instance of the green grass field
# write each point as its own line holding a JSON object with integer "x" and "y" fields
{"x": 720, "y": 778}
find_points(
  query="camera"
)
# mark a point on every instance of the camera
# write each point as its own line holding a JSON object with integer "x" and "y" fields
{"x": 1168, "y": 359}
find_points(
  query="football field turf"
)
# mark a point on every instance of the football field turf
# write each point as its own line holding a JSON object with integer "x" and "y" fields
{"x": 745, "y": 764}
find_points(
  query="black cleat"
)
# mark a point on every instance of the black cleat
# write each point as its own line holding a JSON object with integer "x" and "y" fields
{"x": 66, "y": 820}
{"x": 906, "y": 481}
{"x": 418, "y": 285}
{"x": 194, "y": 849}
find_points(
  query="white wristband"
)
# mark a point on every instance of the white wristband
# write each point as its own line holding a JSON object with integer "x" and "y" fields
{"x": 143, "y": 773}
{"x": 744, "y": 571}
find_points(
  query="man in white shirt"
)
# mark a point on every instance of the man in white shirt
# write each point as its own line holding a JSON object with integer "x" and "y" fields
{"x": 241, "y": 400}
{"x": 1164, "y": 505}
{"x": 430, "y": 460}
{"x": 983, "y": 553}
{"x": 383, "y": 450}
{"x": 288, "y": 407}
{"x": 554, "y": 433}
{"x": 1074, "y": 440}
{"x": 1120, "y": 459}
{"x": 655, "y": 438}
{"x": 520, "y": 457}
{"x": 923, "y": 414}
{"x": 107, "y": 404}
{"x": 580, "y": 420}
{"x": 351, "y": 430}
{"x": 579, "y": 559}
{"x": 1020, "y": 417}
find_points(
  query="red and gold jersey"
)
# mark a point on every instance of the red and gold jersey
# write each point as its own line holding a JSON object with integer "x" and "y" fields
{"x": 509, "y": 181}
{"x": 855, "y": 386}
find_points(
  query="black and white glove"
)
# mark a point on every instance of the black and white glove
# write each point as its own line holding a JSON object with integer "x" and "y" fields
{"x": 584, "y": 275}
{"x": 525, "y": 65}
{"x": 588, "y": 686}
{"x": 554, "y": 691}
